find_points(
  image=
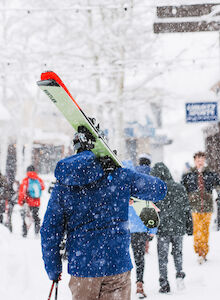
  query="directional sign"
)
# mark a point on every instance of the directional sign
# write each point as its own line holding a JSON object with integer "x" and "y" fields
{"x": 201, "y": 112}
{"x": 186, "y": 18}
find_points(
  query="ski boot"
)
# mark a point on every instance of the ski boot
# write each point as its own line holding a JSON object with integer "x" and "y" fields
{"x": 140, "y": 290}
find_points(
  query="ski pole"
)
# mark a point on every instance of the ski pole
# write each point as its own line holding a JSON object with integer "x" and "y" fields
{"x": 51, "y": 290}
{"x": 56, "y": 291}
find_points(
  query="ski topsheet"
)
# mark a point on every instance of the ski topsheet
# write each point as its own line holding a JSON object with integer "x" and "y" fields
{"x": 58, "y": 93}
{"x": 147, "y": 211}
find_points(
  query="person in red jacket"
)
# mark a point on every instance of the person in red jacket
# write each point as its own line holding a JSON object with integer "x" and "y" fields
{"x": 29, "y": 197}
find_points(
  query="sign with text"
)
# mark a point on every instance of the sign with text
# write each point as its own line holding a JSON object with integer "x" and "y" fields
{"x": 187, "y": 18}
{"x": 201, "y": 111}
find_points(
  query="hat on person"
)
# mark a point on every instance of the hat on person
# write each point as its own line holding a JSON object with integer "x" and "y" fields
{"x": 144, "y": 159}
{"x": 31, "y": 169}
{"x": 145, "y": 155}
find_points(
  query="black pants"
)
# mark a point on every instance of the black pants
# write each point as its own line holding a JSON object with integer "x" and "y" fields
{"x": 218, "y": 214}
{"x": 31, "y": 212}
{"x": 163, "y": 251}
{"x": 2, "y": 209}
{"x": 138, "y": 241}
{"x": 9, "y": 217}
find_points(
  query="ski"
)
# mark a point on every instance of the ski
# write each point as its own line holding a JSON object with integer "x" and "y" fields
{"x": 58, "y": 93}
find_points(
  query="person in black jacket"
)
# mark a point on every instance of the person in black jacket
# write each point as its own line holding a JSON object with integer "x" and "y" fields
{"x": 175, "y": 221}
{"x": 199, "y": 182}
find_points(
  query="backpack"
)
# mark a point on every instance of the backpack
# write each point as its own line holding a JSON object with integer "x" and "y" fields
{"x": 34, "y": 188}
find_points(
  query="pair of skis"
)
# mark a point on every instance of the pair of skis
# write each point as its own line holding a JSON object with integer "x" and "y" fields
{"x": 58, "y": 93}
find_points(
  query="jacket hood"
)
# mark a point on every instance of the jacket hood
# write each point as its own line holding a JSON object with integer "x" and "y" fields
{"x": 32, "y": 175}
{"x": 161, "y": 171}
{"x": 144, "y": 169}
{"x": 79, "y": 169}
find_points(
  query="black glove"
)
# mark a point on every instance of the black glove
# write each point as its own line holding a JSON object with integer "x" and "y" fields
{"x": 107, "y": 164}
{"x": 58, "y": 279}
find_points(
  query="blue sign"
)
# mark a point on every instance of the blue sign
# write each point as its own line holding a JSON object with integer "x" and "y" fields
{"x": 201, "y": 111}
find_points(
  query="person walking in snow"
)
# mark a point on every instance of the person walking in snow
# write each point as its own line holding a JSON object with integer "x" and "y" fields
{"x": 144, "y": 163}
{"x": 140, "y": 234}
{"x": 175, "y": 221}
{"x": 12, "y": 200}
{"x": 4, "y": 194}
{"x": 29, "y": 198}
{"x": 199, "y": 183}
{"x": 90, "y": 202}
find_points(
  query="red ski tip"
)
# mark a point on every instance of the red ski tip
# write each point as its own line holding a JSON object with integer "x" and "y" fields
{"x": 51, "y": 75}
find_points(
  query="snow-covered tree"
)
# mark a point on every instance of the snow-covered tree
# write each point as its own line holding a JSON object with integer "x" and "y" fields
{"x": 103, "y": 50}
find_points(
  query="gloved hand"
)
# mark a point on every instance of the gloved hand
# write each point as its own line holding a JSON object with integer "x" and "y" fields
{"x": 107, "y": 164}
{"x": 58, "y": 278}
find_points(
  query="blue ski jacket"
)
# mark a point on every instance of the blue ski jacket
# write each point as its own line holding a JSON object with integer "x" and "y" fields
{"x": 143, "y": 169}
{"x": 93, "y": 210}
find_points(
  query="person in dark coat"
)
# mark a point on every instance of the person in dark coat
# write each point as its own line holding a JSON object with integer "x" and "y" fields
{"x": 175, "y": 221}
{"x": 90, "y": 201}
{"x": 4, "y": 194}
{"x": 199, "y": 182}
{"x": 12, "y": 200}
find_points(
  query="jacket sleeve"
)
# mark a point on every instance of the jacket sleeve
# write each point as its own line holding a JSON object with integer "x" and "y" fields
{"x": 216, "y": 183}
{"x": 146, "y": 187}
{"x": 41, "y": 183}
{"x": 22, "y": 192}
{"x": 183, "y": 180}
{"x": 188, "y": 214}
{"x": 52, "y": 232}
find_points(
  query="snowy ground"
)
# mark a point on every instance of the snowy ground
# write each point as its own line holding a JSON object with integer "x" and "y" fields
{"x": 22, "y": 274}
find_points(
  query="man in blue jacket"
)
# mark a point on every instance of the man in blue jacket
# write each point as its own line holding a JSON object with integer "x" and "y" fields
{"x": 90, "y": 201}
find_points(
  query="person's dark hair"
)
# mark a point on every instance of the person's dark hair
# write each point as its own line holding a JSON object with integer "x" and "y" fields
{"x": 144, "y": 161}
{"x": 31, "y": 168}
{"x": 199, "y": 154}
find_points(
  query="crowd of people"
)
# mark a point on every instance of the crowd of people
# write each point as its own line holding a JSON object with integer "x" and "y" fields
{"x": 90, "y": 205}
